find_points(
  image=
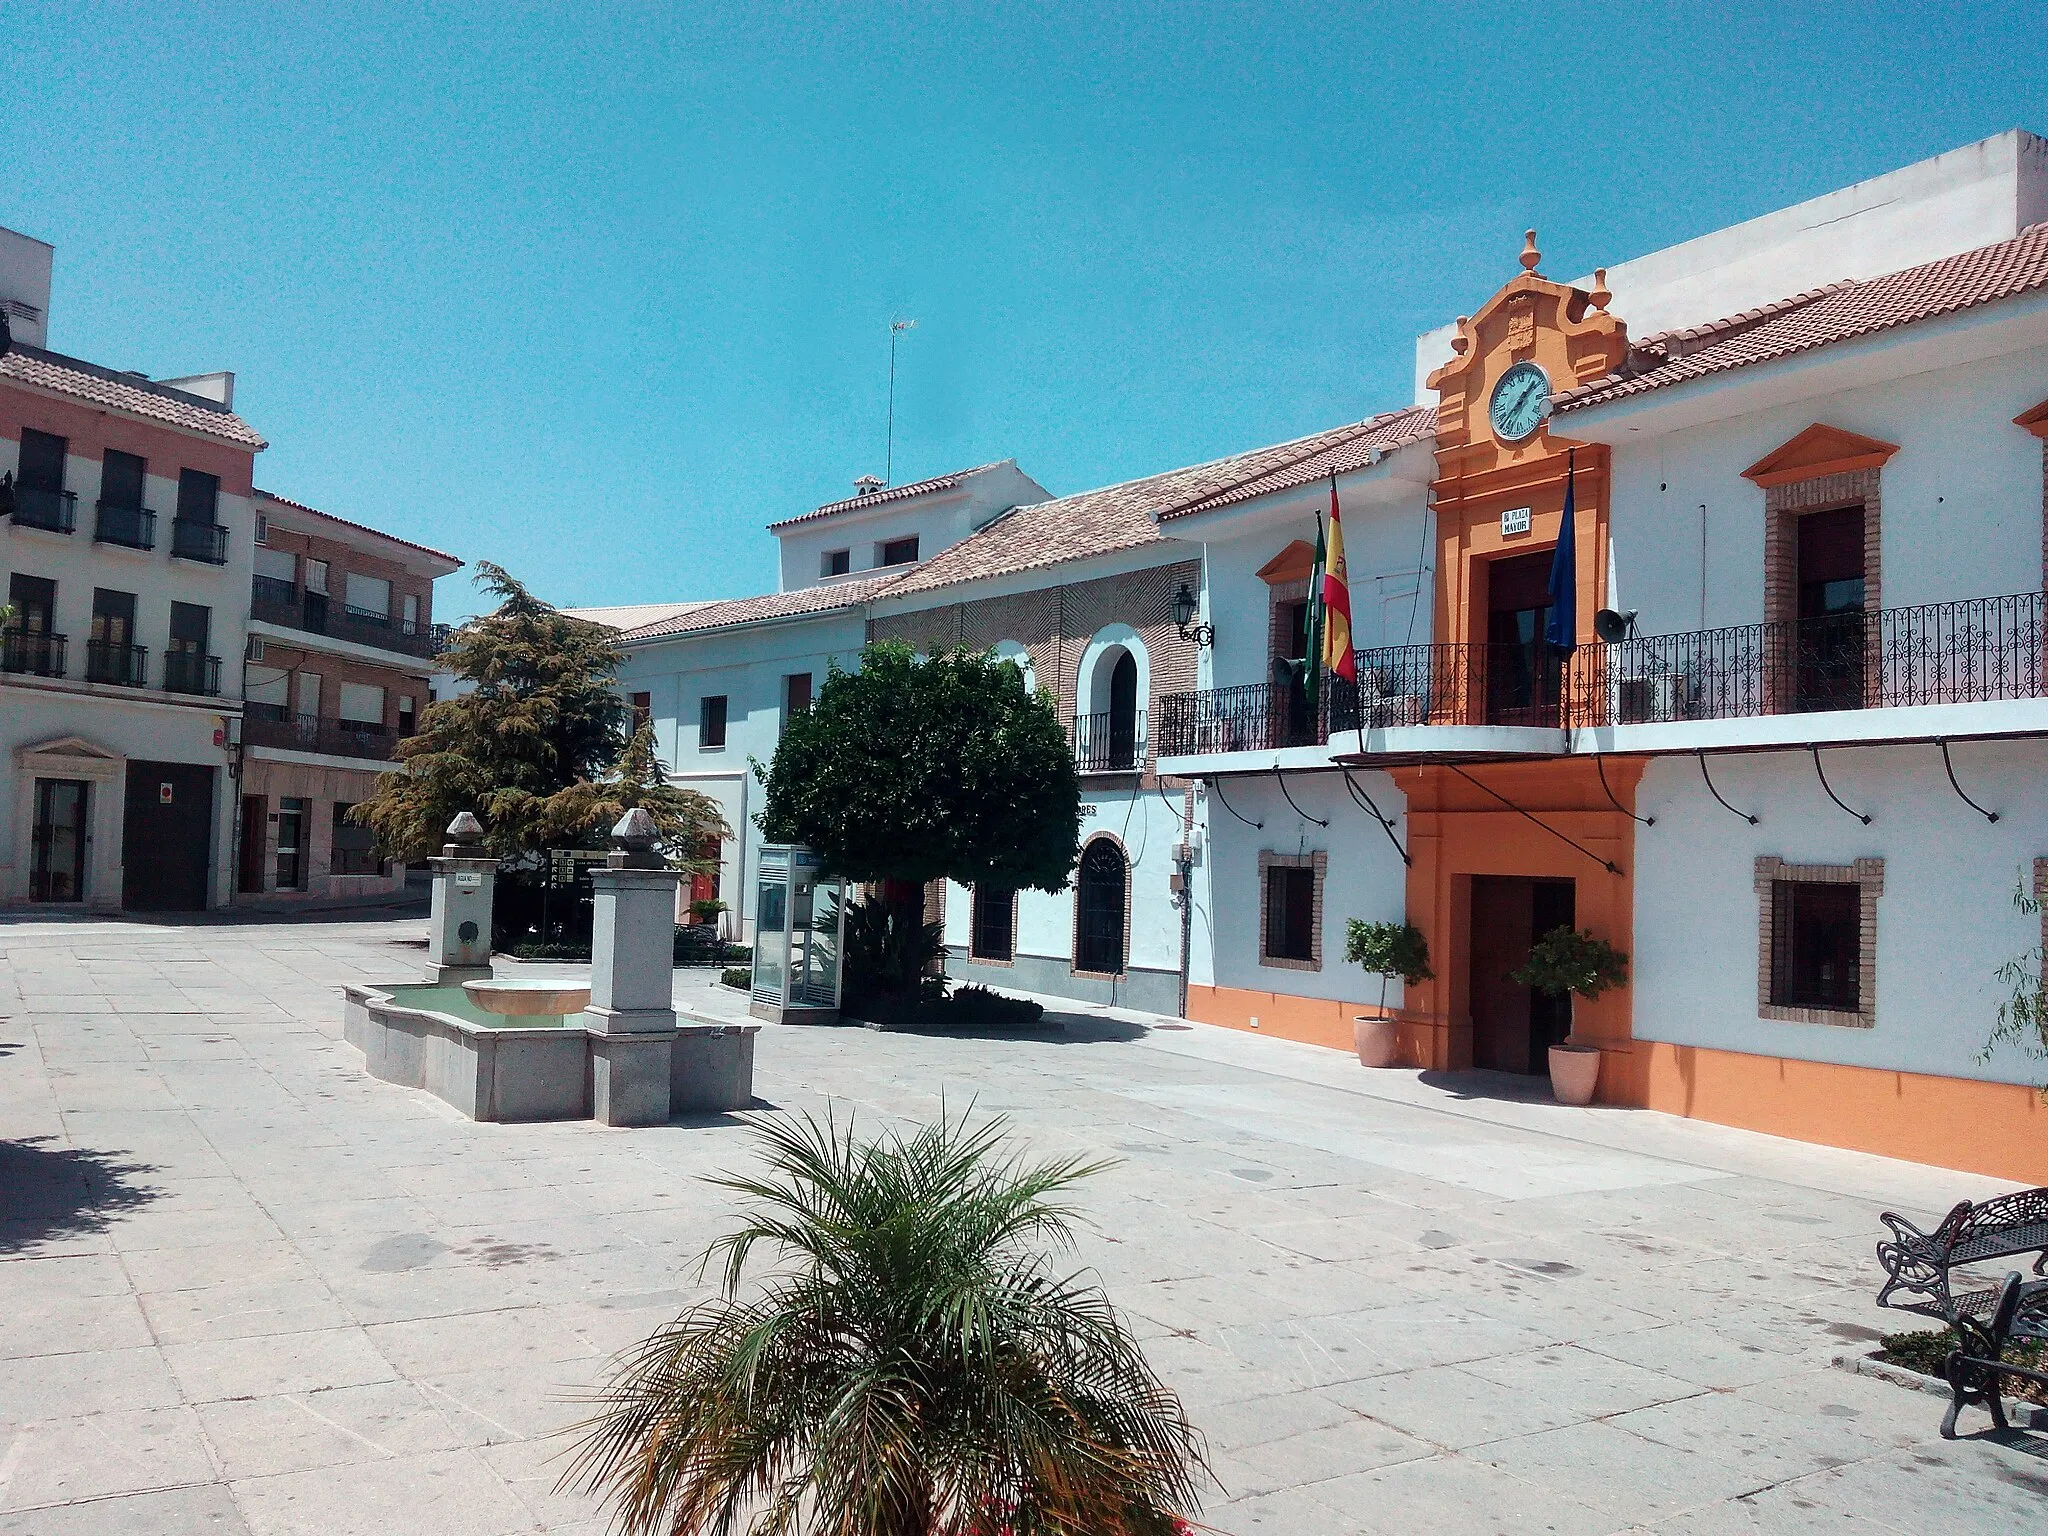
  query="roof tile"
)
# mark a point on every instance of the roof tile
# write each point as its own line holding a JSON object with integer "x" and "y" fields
{"x": 944, "y": 482}
{"x": 774, "y": 605}
{"x": 61, "y": 375}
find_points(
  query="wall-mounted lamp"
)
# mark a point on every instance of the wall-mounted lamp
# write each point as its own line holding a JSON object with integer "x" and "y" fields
{"x": 1184, "y": 619}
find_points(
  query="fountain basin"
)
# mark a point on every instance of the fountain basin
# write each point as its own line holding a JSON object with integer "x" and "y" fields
{"x": 529, "y": 998}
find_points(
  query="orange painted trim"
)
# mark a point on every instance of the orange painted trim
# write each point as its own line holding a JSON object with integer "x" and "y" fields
{"x": 2035, "y": 421}
{"x": 1292, "y": 564}
{"x": 1311, "y": 1021}
{"x": 1819, "y": 450}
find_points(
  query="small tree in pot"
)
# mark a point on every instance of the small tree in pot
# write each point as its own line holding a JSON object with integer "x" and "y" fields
{"x": 1565, "y": 963}
{"x": 1386, "y": 950}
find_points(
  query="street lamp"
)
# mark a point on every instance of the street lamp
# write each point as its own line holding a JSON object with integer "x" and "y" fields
{"x": 1184, "y": 607}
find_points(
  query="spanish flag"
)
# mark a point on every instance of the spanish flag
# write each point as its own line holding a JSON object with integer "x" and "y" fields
{"x": 1337, "y": 657}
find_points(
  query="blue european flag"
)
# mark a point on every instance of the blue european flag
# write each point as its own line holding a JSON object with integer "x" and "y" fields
{"x": 1561, "y": 629}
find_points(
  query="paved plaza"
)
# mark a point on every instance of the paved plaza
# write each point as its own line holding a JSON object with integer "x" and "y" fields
{"x": 246, "y": 1288}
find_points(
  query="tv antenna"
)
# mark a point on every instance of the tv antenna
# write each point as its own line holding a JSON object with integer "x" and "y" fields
{"x": 896, "y": 329}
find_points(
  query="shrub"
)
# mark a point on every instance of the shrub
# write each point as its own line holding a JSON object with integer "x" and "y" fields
{"x": 1926, "y": 1350}
{"x": 549, "y": 951}
{"x": 1387, "y": 950}
{"x": 890, "y": 950}
{"x": 737, "y": 976}
{"x": 1567, "y": 961}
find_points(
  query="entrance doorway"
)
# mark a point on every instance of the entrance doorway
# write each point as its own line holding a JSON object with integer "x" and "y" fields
{"x": 249, "y": 876}
{"x": 1827, "y": 663}
{"x": 57, "y": 870}
{"x": 1524, "y": 676}
{"x": 291, "y": 843}
{"x": 1099, "y": 919}
{"x": 166, "y": 836}
{"x": 1513, "y": 1026}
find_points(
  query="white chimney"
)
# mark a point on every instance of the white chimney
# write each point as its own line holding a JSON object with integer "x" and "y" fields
{"x": 25, "y": 287}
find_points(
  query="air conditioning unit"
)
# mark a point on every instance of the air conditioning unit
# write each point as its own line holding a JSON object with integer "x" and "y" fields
{"x": 1645, "y": 700}
{"x": 255, "y": 647}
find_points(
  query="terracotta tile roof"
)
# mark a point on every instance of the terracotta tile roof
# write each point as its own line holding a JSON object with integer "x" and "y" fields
{"x": 133, "y": 394}
{"x": 1382, "y": 434}
{"x": 892, "y": 493}
{"x": 1120, "y": 516}
{"x": 774, "y": 605}
{"x": 626, "y": 616}
{"x": 1839, "y": 312}
{"x": 455, "y": 561}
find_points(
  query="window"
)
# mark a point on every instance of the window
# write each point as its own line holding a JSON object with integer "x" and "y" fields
{"x": 992, "y": 936}
{"x": 1101, "y": 895}
{"x": 642, "y": 705}
{"x": 42, "y": 460}
{"x": 898, "y": 552}
{"x": 407, "y": 719}
{"x": 121, "y": 480}
{"x": 355, "y": 848}
{"x": 369, "y": 597}
{"x": 198, "y": 497}
{"x": 835, "y": 562}
{"x": 34, "y": 601}
{"x": 316, "y": 576}
{"x": 1290, "y": 917}
{"x": 796, "y": 693}
{"x": 262, "y": 528}
{"x": 411, "y": 613}
{"x": 309, "y": 694}
{"x": 362, "y": 705}
{"x": 711, "y": 720}
{"x": 1819, "y": 941}
{"x": 110, "y": 652}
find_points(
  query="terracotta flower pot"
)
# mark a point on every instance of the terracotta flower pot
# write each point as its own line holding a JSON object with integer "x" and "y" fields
{"x": 1375, "y": 1038}
{"x": 1574, "y": 1072}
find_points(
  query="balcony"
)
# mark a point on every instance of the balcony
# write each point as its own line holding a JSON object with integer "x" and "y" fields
{"x": 53, "y": 511}
{"x": 126, "y": 666}
{"x": 130, "y": 527}
{"x": 204, "y": 542}
{"x": 38, "y": 655}
{"x": 190, "y": 672}
{"x": 276, "y": 601}
{"x": 273, "y": 725}
{"x": 1981, "y": 650}
{"x": 1111, "y": 742}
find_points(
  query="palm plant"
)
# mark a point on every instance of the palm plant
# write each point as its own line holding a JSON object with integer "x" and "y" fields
{"x": 915, "y": 1366}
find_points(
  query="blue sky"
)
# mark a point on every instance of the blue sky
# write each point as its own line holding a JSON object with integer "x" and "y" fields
{"x": 597, "y": 291}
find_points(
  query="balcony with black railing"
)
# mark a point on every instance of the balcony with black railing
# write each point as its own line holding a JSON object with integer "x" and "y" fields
{"x": 194, "y": 540}
{"x": 129, "y": 527}
{"x": 51, "y": 511}
{"x": 125, "y": 666}
{"x": 1110, "y": 742}
{"x": 32, "y": 652}
{"x": 191, "y": 672}
{"x": 1975, "y": 651}
{"x": 276, "y": 601}
{"x": 274, "y": 725}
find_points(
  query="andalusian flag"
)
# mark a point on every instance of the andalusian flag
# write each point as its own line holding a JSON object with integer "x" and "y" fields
{"x": 1336, "y": 653}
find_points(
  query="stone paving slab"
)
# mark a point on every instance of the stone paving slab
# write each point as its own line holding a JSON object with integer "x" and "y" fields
{"x": 248, "y": 1291}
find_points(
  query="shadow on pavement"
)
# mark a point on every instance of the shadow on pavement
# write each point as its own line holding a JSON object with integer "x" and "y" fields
{"x": 49, "y": 1192}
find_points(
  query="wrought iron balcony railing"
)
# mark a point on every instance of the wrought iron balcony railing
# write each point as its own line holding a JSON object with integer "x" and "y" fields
{"x": 1109, "y": 742}
{"x": 273, "y": 725}
{"x": 1973, "y": 651}
{"x": 54, "y": 511}
{"x": 124, "y": 665}
{"x": 190, "y": 672}
{"x": 36, "y": 653}
{"x": 130, "y": 527}
{"x": 191, "y": 540}
{"x": 277, "y": 601}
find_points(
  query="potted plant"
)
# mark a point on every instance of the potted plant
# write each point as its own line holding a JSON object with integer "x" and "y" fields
{"x": 1567, "y": 963}
{"x": 1386, "y": 950}
{"x": 707, "y": 911}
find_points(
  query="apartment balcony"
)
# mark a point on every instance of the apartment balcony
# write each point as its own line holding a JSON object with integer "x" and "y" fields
{"x": 52, "y": 511}
{"x": 38, "y": 655}
{"x": 274, "y": 725}
{"x": 204, "y": 542}
{"x": 1111, "y": 742}
{"x": 126, "y": 666}
{"x": 1775, "y": 677}
{"x": 129, "y": 527}
{"x": 190, "y": 672}
{"x": 276, "y": 601}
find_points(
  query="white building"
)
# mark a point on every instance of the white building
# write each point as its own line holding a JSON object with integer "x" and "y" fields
{"x": 126, "y": 561}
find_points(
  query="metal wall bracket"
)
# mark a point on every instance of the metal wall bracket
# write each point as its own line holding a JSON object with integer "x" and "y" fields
{"x": 1281, "y": 779}
{"x": 1752, "y": 820}
{"x": 1822, "y": 775}
{"x": 1600, "y": 768}
{"x": 1991, "y": 816}
{"x": 1216, "y": 789}
{"x": 1372, "y": 810}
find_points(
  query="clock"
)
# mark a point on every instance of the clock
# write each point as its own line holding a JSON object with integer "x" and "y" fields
{"x": 1521, "y": 402}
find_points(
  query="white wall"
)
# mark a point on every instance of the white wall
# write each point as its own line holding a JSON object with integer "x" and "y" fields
{"x": 25, "y": 264}
{"x": 1961, "y": 497}
{"x": 1945, "y": 922}
{"x": 1365, "y": 878}
{"x": 938, "y": 518}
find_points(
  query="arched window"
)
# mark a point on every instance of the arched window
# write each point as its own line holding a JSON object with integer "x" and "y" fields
{"x": 1100, "y": 896}
{"x": 1111, "y": 689}
{"x": 1018, "y": 656}
{"x": 1123, "y": 711}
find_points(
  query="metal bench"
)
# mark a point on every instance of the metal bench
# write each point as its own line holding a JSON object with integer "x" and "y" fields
{"x": 1976, "y": 1365}
{"x": 1919, "y": 1263}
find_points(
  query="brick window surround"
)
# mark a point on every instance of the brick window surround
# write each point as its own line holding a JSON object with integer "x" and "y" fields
{"x": 1320, "y": 863}
{"x": 1785, "y": 504}
{"x": 1868, "y": 874}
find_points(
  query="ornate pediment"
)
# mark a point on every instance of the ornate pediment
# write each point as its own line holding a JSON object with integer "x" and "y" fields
{"x": 1819, "y": 450}
{"x": 2035, "y": 421}
{"x": 69, "y": 756}
{"x": 1292, "y": 564}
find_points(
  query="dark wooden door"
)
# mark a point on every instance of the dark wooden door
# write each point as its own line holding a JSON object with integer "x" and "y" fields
{"x": 1099, "y": 939}
{"x": 255, "y": 814}
{"x": 166, "y": 836}
{"x": 57, "y": 869}
{"x": 1524, "y": 676}
{"x": 1513, "y": 1026}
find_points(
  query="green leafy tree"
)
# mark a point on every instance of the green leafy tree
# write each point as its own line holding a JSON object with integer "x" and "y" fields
{"x": 537, "y": 749}
{"x": 915, "y": 770}
{"x": 1568, "y": 961}
{"x": 1387, "y": 950}
{"x": 916, "y": 1365}
{"x": 2023, "y": 1015}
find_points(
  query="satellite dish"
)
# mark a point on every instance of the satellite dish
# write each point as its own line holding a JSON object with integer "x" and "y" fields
{"x": 1612, "y": 624}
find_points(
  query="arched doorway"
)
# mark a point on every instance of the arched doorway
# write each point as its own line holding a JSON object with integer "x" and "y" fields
{"x": 1123, "y": 711}
{"x": 1099, "y": 898}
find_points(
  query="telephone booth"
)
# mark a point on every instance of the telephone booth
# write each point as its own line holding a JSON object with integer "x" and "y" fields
{"x": 799, "y": 934}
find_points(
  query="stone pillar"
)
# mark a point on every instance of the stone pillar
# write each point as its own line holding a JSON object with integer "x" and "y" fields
{"x": 631, "y": 1018}
{"x": 459, "y": 924}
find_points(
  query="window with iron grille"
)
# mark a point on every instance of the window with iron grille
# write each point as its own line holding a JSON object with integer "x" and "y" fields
{"x": 1816, "y": 945}
{"x": 711, "y": 721}
{"x": 1290, "y": 914}
{"x": 993, "y": 933}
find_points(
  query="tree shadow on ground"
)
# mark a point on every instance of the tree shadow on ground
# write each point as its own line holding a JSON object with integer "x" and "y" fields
{"x": 1053, "y": 1029}
{"x": 49, "y": 1193}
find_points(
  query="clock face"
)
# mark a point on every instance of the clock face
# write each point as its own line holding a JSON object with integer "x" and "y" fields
{"x": 1521, "y": 402}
